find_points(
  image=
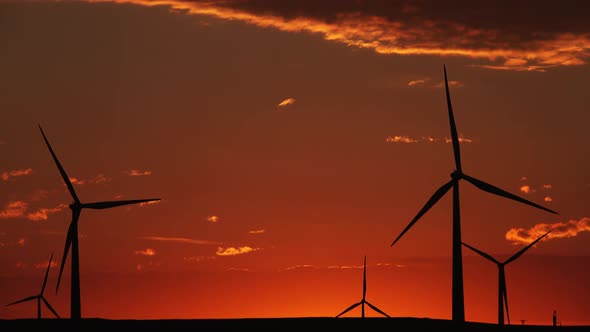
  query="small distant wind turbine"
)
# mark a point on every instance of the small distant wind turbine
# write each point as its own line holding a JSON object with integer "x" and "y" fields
{"x": 458, "y": 314}
{"x": 72, "y": 237}
{"x": 363, "y": 301}
{"x": 502, "y": 294}
{"x": 40, "y": 296}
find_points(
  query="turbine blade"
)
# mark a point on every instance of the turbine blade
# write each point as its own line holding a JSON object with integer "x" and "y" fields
{"x": 454, "y": 136}
{"x": 505, "y": 296}
{"x": 46, "y": 274}
{"x": 61, "y": 169}
{"x": 348, "y": 309}
{"x": 523, "y": 250}
{"x": 66, "y": 248}
{"x": 500, "y": 192}
{"x": 365, "y": 278}
{"x": 24, "y": 300}
{"x": 50, "y": 307}
{"x": 433, "y": 199}
{"x": 481, "y": 253}
{"x": 110, "y": 204}
{"x": 377, "y": 309}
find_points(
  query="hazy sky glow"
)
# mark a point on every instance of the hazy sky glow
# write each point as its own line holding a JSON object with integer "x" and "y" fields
{"x": 287, "y": 140}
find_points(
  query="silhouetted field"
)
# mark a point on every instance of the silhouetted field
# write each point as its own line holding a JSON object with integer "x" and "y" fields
{"x": 274, "y": 324}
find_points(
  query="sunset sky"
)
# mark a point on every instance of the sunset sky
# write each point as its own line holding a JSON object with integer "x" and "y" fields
{"x": 287, "y": 140}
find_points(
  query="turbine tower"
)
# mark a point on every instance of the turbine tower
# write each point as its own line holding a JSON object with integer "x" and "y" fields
{"x": 72, "y": 237}
{"x": 363, "y": 301}
{"x": 458, "y": 309}
{"x": 40, "y": 296}
{"x": 502, "y": 294}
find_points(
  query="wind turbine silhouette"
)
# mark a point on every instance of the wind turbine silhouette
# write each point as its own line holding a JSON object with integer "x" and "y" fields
{"x": 502, "y": 294}
{"x": 72, "y": 237}
{"x": 40, "y": 296}
{"x": 458, "y": 314}
{"x": 363, "y": 301}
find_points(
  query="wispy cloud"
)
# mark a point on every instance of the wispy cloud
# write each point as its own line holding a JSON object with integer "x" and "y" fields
{"x": 455, "y": 84}
{"x": 286, "y": 102}
{"x": 518, "y": 40}
{"x": 100, "y": 178}
{"x": 424, "y": 139}
{"x": 7, "y": 175}
{"x": 180, "y": 240}
{"x": 145, "y": 252}
{"x": 21, "y": 242}
{"x": 13, "y": 209}
{"x": 233, "y": 251}
{"x": 299, "y": 267}
{"x": 548, "y": 199}
{"x": 43, "y": 213}
{"x": 43, "y": 265}
{"x": 256, "y": 231}
{"x": 418, "y": 82}
{"x": 136, "y": 172}
{"x": 526, "y": 189}
{"x": 212, "y": 218}
{"x": 558, "y": 230}
{"x": 149, "y": 203}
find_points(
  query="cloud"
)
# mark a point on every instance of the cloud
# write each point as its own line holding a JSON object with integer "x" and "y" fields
{"x": 525, "y": 189}
{"x": 525, "y": 38}
{"x": 21, "y": 242}
{"x": 548, "y": 199}
{"x": 100, "y": 178}
{"x": 180, "y": 240}
{"x": 5, "y": 176}
{"x": 558, "y": 230}
{"x": 256, "y": 231}
{"x": 418, "y": 82}
{"x": 149, "y": 203}
{"x": 299, "y": 267}
{"x": 455, "y": 84}
{"x": 424, "y": 139}
{"x": 547, "y": 186}
{"x": 13, "y": 209}
{"x": 212, "y": 218}
{"x": 135, "y": 172}
{"x": 43, "y": 265}
{"x": 146, "y": 252}
{"x": 286, "y": 102}
{"x": 43, "y": 213}
{"x": 232, "y": 251}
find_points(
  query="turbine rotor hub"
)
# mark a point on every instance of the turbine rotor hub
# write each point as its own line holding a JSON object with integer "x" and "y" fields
{"x": 456, "y": 175}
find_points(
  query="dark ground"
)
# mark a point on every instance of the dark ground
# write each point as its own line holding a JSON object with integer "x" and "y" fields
{"x": 272, "y": 324}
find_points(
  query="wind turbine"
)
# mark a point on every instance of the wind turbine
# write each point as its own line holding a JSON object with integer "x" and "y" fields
{"x": 40, "y": 296}
{"x": 502, "y": 295}
{"x": 72, "y": 237}
{"x": 363, "y": 301}
{"x": 458, "y": 314}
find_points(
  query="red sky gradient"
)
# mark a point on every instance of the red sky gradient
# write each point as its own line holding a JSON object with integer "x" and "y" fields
{"x": 288, "y": 140}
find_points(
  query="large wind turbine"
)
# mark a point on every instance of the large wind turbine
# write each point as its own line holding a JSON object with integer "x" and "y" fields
{"x": 457, "y": 290}
{"x": 40, "y": 296}
{"x": 502, "y": 294}
{"x": 72, "y": 237}
{"x": 363, "y": 301}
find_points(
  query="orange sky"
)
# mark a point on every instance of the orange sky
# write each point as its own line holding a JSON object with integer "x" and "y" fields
{"x": 287, "y": 142}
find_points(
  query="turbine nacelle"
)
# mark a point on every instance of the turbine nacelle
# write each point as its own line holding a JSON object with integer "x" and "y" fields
{"x": 456, "y": 175}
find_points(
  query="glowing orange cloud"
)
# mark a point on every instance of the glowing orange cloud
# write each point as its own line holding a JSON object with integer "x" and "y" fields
{"x": 44, "y": 265}
{"x": 232, "y": 251}
{"x": 547, "y": 186}
{"x": 146, "y": 252}
{"x": 180, "y": 240}
{"x": 427, "y": 139}
{"x": 418, "y": 82}
{"x": 149, "y": 203}
{"x": 548, "y": 199}
{"x": 43, "y": 213}
{"x": 286, "y": 102}
{"x": 135, "y": 172}
{"x": 558, "y": 230}
{"x": 408, "y": 34}
{"x": 212, "y": 218}
{"x": 5, "y": 176}
{"x": 256, "y": 231}
{"x": 100, "y": 178}
{"x": 525, "y": 189}
{"x": 21, "y": 242}
{"x": 13, "y": 209}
